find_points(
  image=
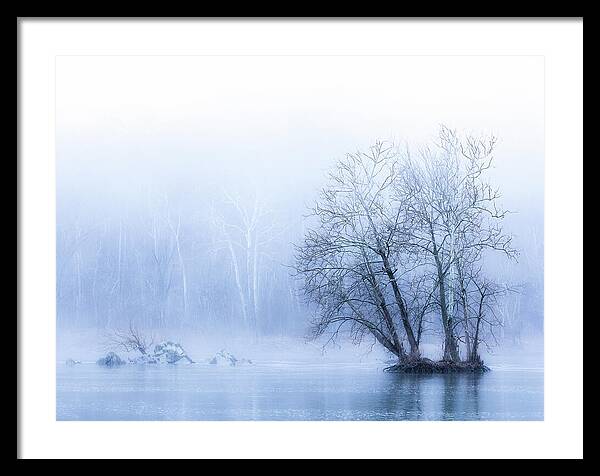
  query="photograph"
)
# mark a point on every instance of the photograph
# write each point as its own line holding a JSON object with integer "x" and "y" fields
{"x": 299, "y": 238}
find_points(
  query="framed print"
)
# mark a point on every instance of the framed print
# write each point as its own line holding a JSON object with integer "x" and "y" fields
{"x": 337, "y": 233}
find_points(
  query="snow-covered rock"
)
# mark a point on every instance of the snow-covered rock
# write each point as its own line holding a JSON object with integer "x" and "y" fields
{"x": 225, "y": 358}
{"x": 143, "y": 359}
{"x": 170, "y": 352}
{"x": 110, "y": 360}
{"x": 71, "y": 362}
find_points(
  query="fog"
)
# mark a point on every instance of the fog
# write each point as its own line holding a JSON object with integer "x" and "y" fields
{"x": 167, "y": 165}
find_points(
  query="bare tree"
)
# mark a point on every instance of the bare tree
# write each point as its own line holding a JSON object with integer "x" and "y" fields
{"x": 176, "y": 233}
{"x": 162, "y": 248}
{"x": 454, "y": 214}
{"x": 420, "y": 292}
{"x": 396, "y": 238}
{"x": 348, "y": 261}
{"x": 131, "y": 339}
{"x": 479, "y": 302}
{"x": 245, "y": 231}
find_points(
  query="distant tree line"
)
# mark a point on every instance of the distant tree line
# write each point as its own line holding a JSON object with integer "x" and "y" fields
{"x": 397, "y": 247}
{"x": 163, "y": 263}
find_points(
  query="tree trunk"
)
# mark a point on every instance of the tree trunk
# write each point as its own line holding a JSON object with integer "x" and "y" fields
{"x": 381, "y": 338}
{"x": 475, "y": 349}
{"x": 414, "y": 346}
{"x": 450, "y": 347}
{"x": 183, "y": 275}
{"x": 238, "y": 283}
{"x": 249, "y": 282}
{"x": 255, "y": 284}
{"x": 380, "y": 299}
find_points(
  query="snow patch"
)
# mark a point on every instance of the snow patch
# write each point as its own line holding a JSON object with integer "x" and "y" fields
{"x": 226, "y": 358}
{"x": 170, "y": 353}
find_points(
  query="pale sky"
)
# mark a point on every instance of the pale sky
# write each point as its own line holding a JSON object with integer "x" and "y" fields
{"x": 280, "y": 121}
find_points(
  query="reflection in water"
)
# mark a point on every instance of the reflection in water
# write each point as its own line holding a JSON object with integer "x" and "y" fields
{"x": 451, "y": 388}
{"x": 415, "y": 396}
{"x": 293, "y": 392}
{"x": 404, "y": 398}
{"x": 472, "y": 390}
{"x": 461, "y": 395}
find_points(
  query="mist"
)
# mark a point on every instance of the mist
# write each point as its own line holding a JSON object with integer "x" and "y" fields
{"x": 183, "y": 182}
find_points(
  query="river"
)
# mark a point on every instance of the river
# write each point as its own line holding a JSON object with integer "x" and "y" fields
{"x": 293, "y": 391}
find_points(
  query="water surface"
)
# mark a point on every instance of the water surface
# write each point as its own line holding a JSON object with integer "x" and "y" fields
{"x": 287, "y": 391}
